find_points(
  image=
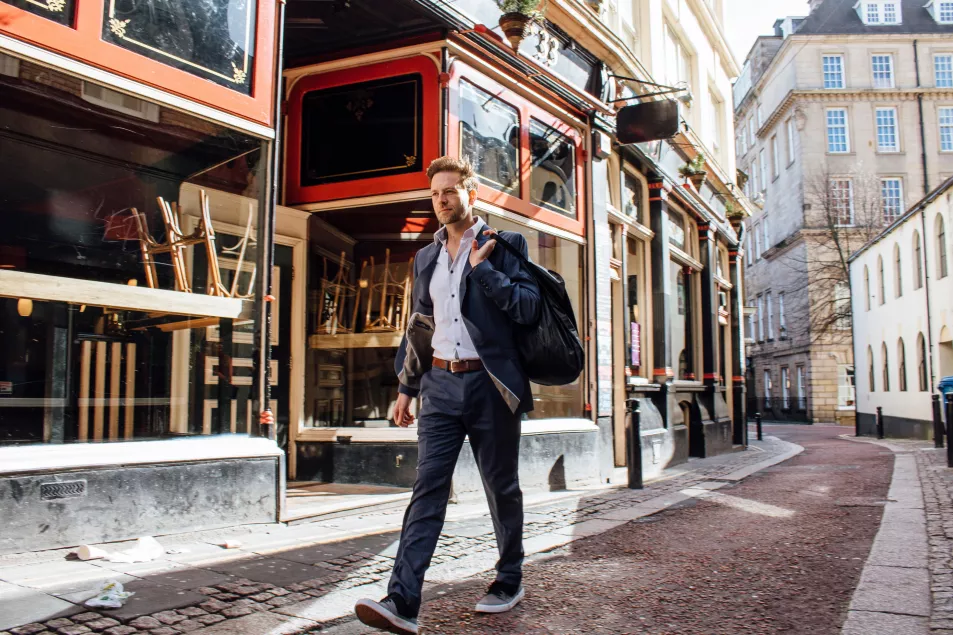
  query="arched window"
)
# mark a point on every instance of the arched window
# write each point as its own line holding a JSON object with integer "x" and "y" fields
{"x": 871, "y": 377}
{"x": 941, "y": 268}
{"x": 918, "y": 259}
{"x": 880, "y": 280}
{"x": 901, "y": 366}
{"x": 866, "y": 288}
{"x": 922, "y": 362}
{"x": 886, "y": 368}
{"x": 897, "y": 272}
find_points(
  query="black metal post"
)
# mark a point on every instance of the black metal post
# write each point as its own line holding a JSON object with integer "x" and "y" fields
{"x": 938, "y": 431}
{"x": 949, "y": 430}
{"x": 633, "y": 443}
{"x": 757, "y": 423}
{"x": 856, "y": 426}
{"x": 880, "y": 422}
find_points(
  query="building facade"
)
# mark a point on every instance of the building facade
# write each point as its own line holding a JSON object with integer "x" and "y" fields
{"x": 903, "y": 318}
{"x": 292, "y": 210}
{"x": 842, "y": 120}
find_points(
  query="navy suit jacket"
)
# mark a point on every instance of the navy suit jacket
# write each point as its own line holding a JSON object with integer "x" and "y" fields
{"x": 495, "y": 295}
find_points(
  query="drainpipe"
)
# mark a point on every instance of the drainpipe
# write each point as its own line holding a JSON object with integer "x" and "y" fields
{"x": 923, "y": 136}
{"x": 923, "y": 217}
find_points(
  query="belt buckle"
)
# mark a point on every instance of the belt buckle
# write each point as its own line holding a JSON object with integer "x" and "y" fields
{"x": 457, "y": 365}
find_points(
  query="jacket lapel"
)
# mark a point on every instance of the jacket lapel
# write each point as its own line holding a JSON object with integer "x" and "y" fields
{"x": 429, "y": 263}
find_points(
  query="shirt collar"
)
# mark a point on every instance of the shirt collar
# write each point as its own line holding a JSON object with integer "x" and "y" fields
{"x": 440, "y": 236}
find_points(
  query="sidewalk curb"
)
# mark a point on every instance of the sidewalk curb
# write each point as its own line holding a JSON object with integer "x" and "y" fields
{"x": 743, "y": 473}
{"x": 893, "y": 595}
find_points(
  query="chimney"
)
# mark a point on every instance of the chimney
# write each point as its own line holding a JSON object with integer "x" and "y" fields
{"x": 813, "y": 4}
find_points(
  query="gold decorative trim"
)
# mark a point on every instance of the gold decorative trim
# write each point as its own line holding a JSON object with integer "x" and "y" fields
{"x": 239, "y": 75}
{"x": 55, "y": 6}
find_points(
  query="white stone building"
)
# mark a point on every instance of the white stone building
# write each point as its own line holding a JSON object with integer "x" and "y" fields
{"x": 902, "y": 302}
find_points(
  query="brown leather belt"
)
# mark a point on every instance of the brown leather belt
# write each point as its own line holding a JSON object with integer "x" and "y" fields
{"x": 458, "y": 365}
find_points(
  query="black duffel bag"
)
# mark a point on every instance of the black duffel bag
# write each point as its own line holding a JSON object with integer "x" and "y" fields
{"x": 550, "y": 351}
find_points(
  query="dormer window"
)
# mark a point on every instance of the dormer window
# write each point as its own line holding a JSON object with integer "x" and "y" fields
{"x": 879, "y": 12}
{"x": 941, "y": 10}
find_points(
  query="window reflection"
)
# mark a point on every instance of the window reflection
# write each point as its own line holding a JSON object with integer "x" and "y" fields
{"x": 553, "y": 178}
{"x": 631, "y": 196}
{"x": 676, "y": 228}
{"x": 490, "y": 137}
{"x": 682, "y": 341}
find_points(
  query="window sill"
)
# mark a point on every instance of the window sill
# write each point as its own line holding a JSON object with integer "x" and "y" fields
{"x": 841, "y": 154}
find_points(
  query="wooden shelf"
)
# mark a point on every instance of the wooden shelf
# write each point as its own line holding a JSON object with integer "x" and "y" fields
{"x": 355, "y": 340}
{"x": 34, "y": 286}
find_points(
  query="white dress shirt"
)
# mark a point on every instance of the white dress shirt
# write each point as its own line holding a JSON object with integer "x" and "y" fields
{"x": 450, "y": 338}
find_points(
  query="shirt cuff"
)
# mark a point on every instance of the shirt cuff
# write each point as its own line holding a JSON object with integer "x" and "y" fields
{"x": 407, "y": 390}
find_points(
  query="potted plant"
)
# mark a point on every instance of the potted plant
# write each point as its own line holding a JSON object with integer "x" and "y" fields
{"x": 517, "y": 15}
{"x": 694, "y": 171}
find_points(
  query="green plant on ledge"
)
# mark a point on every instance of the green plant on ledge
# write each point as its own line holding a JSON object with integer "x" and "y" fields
{"x": 694, "y": 167}
{"x": 529, "y": 8}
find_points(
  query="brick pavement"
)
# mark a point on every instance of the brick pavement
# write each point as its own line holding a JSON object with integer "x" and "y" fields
{"x": 277, "y": 591}
{"x": 937, "y": 483}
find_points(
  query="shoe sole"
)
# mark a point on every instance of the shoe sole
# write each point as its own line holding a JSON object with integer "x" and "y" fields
{"x": 501, "y": 608}
{"x": 376, "y": 616}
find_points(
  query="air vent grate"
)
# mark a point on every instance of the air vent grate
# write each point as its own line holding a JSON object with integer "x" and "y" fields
{"x": 63, "y": 489}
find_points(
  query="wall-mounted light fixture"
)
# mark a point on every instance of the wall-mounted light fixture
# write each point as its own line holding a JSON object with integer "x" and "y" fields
{"x": 25, "y": 307}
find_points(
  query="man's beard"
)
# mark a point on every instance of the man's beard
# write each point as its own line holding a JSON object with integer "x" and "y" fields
{"x": 452, "y": 215}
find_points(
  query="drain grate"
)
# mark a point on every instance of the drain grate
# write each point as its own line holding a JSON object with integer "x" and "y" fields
{"x": 62, "y": 489}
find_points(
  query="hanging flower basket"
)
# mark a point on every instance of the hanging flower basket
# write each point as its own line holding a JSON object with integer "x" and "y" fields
{"x": 514, "y": 26}
{"x": 698, "y": 179}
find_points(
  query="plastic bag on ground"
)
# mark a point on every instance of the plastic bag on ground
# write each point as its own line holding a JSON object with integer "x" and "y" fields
{"x": 109, "y": 596}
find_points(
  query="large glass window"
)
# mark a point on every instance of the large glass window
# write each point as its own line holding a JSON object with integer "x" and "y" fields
{"x": 945, "y": 119}
{"x": 833, "y": 71}
{"x": 837, "y": 135}
{"x": 490, "y": 136}
{"x": 887, "y": 130}
{"x": 214, "y": 39}
{"x": 60, "y": 11}
{"x": 846, "y": 388}
{"x": 362, "y": 130}
{"x": 683, "y": 348}
{"x": 883, "y": 70}
{"x": 943, "y": 70}
{"x": 635, "y": 282}
{"x": 631, "y": 196}
{"x": 842, "y": 202}
{"x": 553, "y": 172}
{"x": 891, "y": 195}
{"x": 126, "y": 266}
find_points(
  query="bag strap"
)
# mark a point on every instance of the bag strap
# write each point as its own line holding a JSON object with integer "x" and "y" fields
{"x": 510, "y": 248}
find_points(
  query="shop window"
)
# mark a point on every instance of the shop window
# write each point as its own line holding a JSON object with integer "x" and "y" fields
{"x": 59, "y": 11}
{"x": 213, "y": 39}
{"x": 631, "y": 196}
{"x": 80, "y": 218}
{"x": 683, "y": 347}
{"x": 635, "y": 281}
{"x": 676, "y": 230}
{"x": 359, "y": 131}
{"x": 490, "y": 137}
{"x": 553, "y": 171}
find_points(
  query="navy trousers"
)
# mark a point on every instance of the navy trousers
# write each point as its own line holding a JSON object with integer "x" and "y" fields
{"x": 454, "y": 406}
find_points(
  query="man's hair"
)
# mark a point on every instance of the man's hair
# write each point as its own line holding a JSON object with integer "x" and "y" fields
{"x": 468, "y": 179}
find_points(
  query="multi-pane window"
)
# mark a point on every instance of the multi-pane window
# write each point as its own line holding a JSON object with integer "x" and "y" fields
{"x": 946, "y": 129}
{"x": 785, "y": 388}
{"x": 873, "y": 13}
{"x": 760, "y": 318}
{"x": 752, "y": 133}
{"x": 743, "y": 141}
{"x": 775, "y": 158}
{"x": 767, "y": 299}
{"x": 842, "y": 202}
{"x": 790, "y": 127}
{"x": 846, "y": 389}
{"x": 883, "y": 70}
{"x": 943, "y": 70}
{"x": 842, "y": 312}
{"x": 837, "y": 134}
{"x": 757, "y": 241}
{"x": 946, "y": 12}
{"x": 887, "y": 130}
{"x": 764, "y": 169}
{"x": 891, "y": 195}
{"x": 833, "y": 71}
{"x": 767, "y": 234}
{"x": 760, "y": 116}
{"x": 767, "y": 388}
{"x": 801, "y": 399}
{"x": 716, "y": 116}
{"x": 890, "y": 13}
{"x": 782, "y": 325}
{"x": 678, "y": 66}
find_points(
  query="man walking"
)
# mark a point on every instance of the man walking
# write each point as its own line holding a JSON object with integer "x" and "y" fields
{"x": 459, "y": 355}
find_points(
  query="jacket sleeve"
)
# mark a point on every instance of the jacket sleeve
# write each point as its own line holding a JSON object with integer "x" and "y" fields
{"x": 402, "y": 388}
{"x": 511, "y": 287}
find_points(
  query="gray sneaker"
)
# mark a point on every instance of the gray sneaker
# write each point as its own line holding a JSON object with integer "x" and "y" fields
{"x": 499, "y": 599}
{"x": 385, "y": 616}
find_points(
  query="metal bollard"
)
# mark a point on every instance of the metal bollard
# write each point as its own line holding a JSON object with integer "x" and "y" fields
{"x": 633, "y": 443}
{"x": 949, "y": 430}
{"x": 757, "y": 423}
{"x": 938, "y": 430}
{"x": 880, "y": 422}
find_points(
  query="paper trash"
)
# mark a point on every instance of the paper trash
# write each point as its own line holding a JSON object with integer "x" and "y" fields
{"x": 87, "y": 552}
{"x": 110, "y": 596}
{"x": 146, "y": 550}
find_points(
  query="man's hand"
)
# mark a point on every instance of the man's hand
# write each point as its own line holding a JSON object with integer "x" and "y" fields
{"x": 402, "y": 416}
{"x": 479, "y": 255}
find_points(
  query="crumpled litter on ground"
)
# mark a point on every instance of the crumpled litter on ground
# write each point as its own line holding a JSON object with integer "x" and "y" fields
{"x": 110, "y": 596}
{"x": 147, "y": 549}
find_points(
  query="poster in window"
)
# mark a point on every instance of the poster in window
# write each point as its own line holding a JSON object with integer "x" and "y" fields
{"x": 635, "y": 337}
